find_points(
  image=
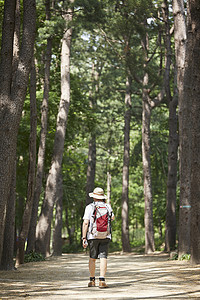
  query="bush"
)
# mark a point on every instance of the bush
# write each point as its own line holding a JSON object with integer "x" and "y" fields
{"x": 159, "y": 243}
{"x": 33, "y": 256}
{"x": 72, "y": 248}
{"x": 185, "y": 257}
{"x": 114, "y": 246}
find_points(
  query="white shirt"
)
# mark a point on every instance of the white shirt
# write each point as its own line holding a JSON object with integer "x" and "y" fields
{"x": 88, "y": 216}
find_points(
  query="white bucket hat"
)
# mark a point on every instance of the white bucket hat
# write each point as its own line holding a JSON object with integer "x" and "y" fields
{"x": 98, "y": 193}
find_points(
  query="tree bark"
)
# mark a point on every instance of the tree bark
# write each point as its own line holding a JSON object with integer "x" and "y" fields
{"x": 16, "y": 42}
{"x": 69, "y": 230}
{"x": 170, "y": 227}
{"x": 191, "y": 94}
{"x": 31, "y": 170}
{"x": 108, "y": 187}
{"x": 146, "y": 146}
{"x": 148, "y": 105}
{"x": 57, "y": 234}
{"x": 91, "y": 168}
{"x": 12, "y": 94}
{"x": 148, "y": 198}
{"x": 184, "y": 145}
{"x": 42, "y": 145}
{"x": 5, "y": 83}
{"x": 51, "y": 186}
{"x": 9, "y": 233}
{"x": 7, "y": 262}
{"x": 170, "y": 233}
{"x": 125, "y": 174}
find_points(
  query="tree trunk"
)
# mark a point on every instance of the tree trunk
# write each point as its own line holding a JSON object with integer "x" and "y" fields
{"x": 125, "y": 178}
{"x": 170, "y": 227}
{"x": 9, "y": 234}
{"x": 91, "y": 168}
{"x": 57, "y": 236}
{"x": 7, "y": 262}
{"x": 51, "y": 186}
{"x": 16, "y": 42}
{"x": 170, "y": 233}
{"x": 5, "y": 83}
{"x": 31, "y": 171}
{"x": 148, "y": 105}
{"x": 42, "y": 145}
{"x": 148, "y": 198}
{"x": 108, "y": 187}
{"x": 191, "y": 95}
{"x": 69, "y": 231}
{"x": 146, "y": 160}
{"x": 12, "y": 95}
{"x": 184, "y": 145}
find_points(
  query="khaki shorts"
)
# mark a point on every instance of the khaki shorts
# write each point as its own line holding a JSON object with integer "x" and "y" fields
{"x": 98, "y": 248}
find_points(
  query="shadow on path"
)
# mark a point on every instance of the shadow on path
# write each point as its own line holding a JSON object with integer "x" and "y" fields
{"x": 129, "y": 277}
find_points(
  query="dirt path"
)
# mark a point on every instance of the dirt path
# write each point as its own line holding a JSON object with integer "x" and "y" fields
{"x": 129, "y": 277}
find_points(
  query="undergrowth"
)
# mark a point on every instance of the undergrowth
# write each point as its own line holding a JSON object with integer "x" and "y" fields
{"x": 33, "y": 256}
{"x": 183, "y": 257}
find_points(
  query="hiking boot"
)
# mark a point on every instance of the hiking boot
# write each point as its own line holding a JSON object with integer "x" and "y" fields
{"x": 91, "y": 283}
{"x": 102, "y": 284}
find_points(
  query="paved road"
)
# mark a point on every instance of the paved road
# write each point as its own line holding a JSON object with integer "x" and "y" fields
{"x": 129, "y": 277}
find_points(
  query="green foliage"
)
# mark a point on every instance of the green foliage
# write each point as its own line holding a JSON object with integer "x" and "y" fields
{"x": 72, "y": 248}
{"x": 51, "y": 28}
{"x": 33, "y": 256}
{"x": 185, "y": 257}
{"x": 159, "y": 242}
{"x": 90, "y": 12}
{"x": 138, "y": 237}
{"x": 114, "y": 247}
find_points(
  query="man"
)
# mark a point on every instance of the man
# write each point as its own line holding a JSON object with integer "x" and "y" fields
{"x": 98, "y": 246}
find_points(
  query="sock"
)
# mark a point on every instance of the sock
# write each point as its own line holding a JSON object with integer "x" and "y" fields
{"x": 101, "y": 278}
{"x": 92, "y": 278}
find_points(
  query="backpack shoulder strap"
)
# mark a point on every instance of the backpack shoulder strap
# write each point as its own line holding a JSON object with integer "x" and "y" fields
{"x": 108, "y": 208}
{"x": 94, "y": 210}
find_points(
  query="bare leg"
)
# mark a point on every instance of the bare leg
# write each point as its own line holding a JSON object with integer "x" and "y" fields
{"x": 92, "y": 262}
{"x": 103, "y": 267}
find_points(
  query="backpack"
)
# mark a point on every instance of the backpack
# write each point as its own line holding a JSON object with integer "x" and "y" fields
{"x": 101, "y": 223}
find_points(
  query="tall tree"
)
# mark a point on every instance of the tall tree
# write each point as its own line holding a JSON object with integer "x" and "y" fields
{"x": 57, "y": 233}
{"x": 31, "y": 169}
{"x": 7, "y": 262}
{"x": 149, "y": 103}
{"x": 125, "y": 174}
{"x": 44, "y": 223}
{"x": 191, "y": 96}
{"x": 12, "y": 93}
{"x": 5, "y": 83}
{"x": 43, "y": 134}
{"x": 184, "y": 144}
{"x": 148, "y": 197}
{"x": 9, "y": 239}
{"x": 92, "y": 141}
{"x": 170, "y": 227}
{"x": 91, "y": 167}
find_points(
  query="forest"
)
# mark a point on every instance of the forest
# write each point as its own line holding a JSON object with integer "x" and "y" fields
{"x": 99, "y": 94}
